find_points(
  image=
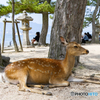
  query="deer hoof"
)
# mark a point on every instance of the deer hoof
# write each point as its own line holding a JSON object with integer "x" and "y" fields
{"x": 46, "y": 88}
{"x": 49, "y": 93}
{"x": 68, "y": 84}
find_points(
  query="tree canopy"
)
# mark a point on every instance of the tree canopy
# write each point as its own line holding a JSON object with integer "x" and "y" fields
{"x": 31, "y": 6}
{"x": 91, "y": 4}
{"x": 5, "y": 10}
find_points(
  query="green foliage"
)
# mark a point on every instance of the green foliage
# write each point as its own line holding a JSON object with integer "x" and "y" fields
{"x": 91, "y": 2}
{"x": 89, "y": 12}
{"x": 31, "y": 6}
{"x": 51, "y": 16}
{"x": 81, "y": 67}
{"x": 5, "y": 10}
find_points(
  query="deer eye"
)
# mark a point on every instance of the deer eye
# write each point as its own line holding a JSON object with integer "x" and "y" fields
{"x": 75, "y": 46}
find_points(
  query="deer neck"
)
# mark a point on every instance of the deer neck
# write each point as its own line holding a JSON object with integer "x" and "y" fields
{"x": 68, "y": 62}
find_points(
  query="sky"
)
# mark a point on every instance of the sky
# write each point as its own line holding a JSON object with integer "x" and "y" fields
{"x": 38, "y": 18}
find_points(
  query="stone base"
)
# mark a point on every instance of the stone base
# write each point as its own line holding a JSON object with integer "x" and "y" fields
{"x": 26, "y": 40}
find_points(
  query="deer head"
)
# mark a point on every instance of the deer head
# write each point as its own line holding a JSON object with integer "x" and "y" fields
{"x": 74, "y": 48}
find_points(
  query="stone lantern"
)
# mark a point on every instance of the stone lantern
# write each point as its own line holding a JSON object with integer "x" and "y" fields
{"x": 97, "y": 31}
{"x": 25, "y": 27}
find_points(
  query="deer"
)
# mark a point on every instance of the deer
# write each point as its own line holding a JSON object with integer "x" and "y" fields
{"x": 43, "y": 71}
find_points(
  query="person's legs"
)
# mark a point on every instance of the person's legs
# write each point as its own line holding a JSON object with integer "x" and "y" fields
{"x": 83, "y": 41}
{"x": 33, "y": 40}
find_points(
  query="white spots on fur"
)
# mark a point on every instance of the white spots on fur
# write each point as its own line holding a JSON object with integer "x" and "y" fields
{"x": 42, "y": 71}
{"x": 52, "y": 66}
{"x": 48, "y": 71}
{"x": 37, "y": 61}
{"x": 12, "y": 64}
{"x": 9, "y": 70}
{"x": 21, "y": 64}
{"x": 18, "y": 64}
{"x": 55, "y": 72}
{"x": 30, "y": 67}
{"x": 47, "y": 65}
{"x": 13, "y": 70}
{"x": 38, "y": 70}
{"x": 39, "y": 64}
{"x": 32, "y": 62}
{"x": 18, "y": 61}
{"x": 42, "y": 65}
{"x": 60, "y": 70}
{"x": 45, "y": 71}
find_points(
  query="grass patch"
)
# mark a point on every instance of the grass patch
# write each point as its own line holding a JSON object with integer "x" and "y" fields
{"x": 81, "y": 67}
{"x": 74, "y": 69}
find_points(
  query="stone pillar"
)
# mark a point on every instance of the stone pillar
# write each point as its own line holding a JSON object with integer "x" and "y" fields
{"x": 26, "y": 40}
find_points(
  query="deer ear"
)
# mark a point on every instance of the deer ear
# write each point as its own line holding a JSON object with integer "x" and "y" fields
{"x": 63, "y": 40}
{"x": 73, "y": 39}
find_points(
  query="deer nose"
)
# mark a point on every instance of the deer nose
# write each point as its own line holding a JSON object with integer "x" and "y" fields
{"x": 87, "y": 51}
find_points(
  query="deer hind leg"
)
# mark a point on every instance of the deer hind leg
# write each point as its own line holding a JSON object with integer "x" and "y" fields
{"x": 53, "y": 83}
{"x": 23, "y": 86}
{"x": 44, "y": 87}
{"x": 39, "y": 86}
{"x": 58, "y": 82}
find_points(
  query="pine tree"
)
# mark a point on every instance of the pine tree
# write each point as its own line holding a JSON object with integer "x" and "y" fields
{"x": 44, "y": 7}
{"x": 92, "y": 15}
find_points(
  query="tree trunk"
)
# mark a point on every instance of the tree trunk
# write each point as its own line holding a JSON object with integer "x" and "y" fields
{"x": 42, "y": 40}
{"x": 13, "y": 28}
{"x": 93, "y": 21}
{"x": 0, "y": 55}
{"x": 68, "y": 22}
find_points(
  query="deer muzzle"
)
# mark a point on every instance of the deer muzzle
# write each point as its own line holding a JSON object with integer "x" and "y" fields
{"x": 85, "y": 52}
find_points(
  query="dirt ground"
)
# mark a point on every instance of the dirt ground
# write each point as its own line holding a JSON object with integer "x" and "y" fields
{"x": 89, "y": 64}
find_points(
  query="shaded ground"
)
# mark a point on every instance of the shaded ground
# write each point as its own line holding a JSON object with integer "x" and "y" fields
{"x": 89, "y": 65}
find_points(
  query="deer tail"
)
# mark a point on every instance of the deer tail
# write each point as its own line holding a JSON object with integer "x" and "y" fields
{"x": 2, "y": 77}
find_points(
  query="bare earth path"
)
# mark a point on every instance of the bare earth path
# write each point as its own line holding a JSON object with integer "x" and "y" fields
{"x": 90, "y": 63}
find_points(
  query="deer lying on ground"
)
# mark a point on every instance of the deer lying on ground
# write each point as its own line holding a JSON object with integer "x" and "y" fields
{"x": 43, "y": 70}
